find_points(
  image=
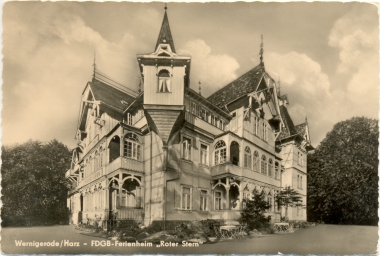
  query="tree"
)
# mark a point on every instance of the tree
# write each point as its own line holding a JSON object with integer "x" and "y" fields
{"x": 343, "y": 174}
{"x": 34, "y": 187}
{"x": 288, "y": 197}
{"x": 253, "y": 212}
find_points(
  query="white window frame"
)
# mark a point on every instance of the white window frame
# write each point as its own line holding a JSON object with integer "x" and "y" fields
{"x": 220, "y": 201}
{"x": 248, "y": 158}
{"x": 129, "y": 119}
{"x": 204, "y": 160}
{"x": 135, "y": 147}
{"x": 161, "y": 80}
{"x": 218, "y": 153}
{"x": 203, "y": 198}
{"x": 184, "y": 199}
{"x": 187, "y": 153}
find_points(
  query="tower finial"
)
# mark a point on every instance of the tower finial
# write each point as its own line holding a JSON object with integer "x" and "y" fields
{"x": 200, "y": 93}
{"x": 94, "y": 65}
{"x": 261, "y": 49}
{"x": 166, "y": 7}
{"x": 279, "y": 86}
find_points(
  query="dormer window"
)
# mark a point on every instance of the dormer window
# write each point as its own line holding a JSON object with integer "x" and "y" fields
{"x": 164, "y": 81}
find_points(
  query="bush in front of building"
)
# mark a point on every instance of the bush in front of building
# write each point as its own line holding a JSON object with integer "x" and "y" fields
{"x": 253, "y": 212}
{"x": 34, "y": 188}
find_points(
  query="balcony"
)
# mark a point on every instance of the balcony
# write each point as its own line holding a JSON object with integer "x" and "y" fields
{"x": 226, "y": 168}
{"x": 198, "y": 122}
{"x": 125, "y": 163}
{"x": 92, "y": 177}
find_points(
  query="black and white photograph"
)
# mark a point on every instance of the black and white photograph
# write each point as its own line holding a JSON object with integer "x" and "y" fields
{"x": 190, "y": 128}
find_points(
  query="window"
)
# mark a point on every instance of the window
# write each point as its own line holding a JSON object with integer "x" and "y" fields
{"x": 263, "y": 165}
{"x": 247, "y": 158}
{"x": 212, "y": 119}
{"x": 193, "y": 108}
{"x": 203, "y": 200}
{"x": 257, "y": 123}
{"x": 256, "y": 162}
{"x": 186, "y": 198}
{"x": 234, "y": 124}
{"x": 221, "y": 125}
{"x": 299, "y": 181}
{"x": 300, "y": 159}
{"x": 186, "y": 148}
{"x": 164, "y": 82}
{"x": 129, "y": 119}
{"x": 204, "y": 154}
{"x": 276, "y": 170}
{"x": 220, "y": 153}
{"x": 132, "y": 146}
{"x": 218, "y": 200}
{"x": 270, "y": 168}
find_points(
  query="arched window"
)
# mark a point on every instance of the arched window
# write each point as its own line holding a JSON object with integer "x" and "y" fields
{"x": 164, "y": 81}
{"x": 234, "y": 153}
{"x": 247, "y": 158}
{"x": 220, "y": 152}
{"x": 270, "y": 167}
{"x": 263, "y": 165}
{"x": 256, "y": 162}
{"x": 132, "y": 147}
{"x": 114, "y": 148}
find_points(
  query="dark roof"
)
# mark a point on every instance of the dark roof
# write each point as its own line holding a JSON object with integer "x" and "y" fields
{"x": 301, "y": 129}
{"x": 238, "y": 88}
{"x": 110, "y": 95}
{"x": 289, "y": 129}
{"x": 165, "y": 36}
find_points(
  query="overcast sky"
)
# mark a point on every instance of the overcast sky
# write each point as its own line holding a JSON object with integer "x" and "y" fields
{"x": 325, "y": 54}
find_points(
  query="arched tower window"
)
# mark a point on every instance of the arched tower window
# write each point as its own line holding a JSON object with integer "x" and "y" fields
{"x": 114, "y": 148}
{"x": 247, "y": 158}
{"x": 220, "y": 152}
{"x": 132, "y": 147}
{"x": 276, "y": 170}
{"x": 164, "y": 81}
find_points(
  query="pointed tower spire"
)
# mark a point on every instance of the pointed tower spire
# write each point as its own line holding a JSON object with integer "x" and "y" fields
{"x": 261, "y": 49}
{"x": 165, "y": 36}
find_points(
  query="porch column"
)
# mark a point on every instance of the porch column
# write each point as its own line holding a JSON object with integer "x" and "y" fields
{"x": 122, "y": 144}
{"x": 120, "y": 188}
{"x": 228, "y": 193}
{"x": 241, "y": 196}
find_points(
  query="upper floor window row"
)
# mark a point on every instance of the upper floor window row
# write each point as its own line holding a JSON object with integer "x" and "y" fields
{"x": 206, "y": 116}
{"x": 260, "y": 127}
{"x": 300, "y": 159}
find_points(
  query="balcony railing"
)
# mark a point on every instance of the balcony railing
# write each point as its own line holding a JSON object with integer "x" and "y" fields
{"x": 92, "y": 177}
{"x": 129, "y": 213}
{"x": 125, "y": 163}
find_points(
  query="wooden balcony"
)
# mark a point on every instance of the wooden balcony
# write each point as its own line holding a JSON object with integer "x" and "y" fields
{"x": 125, "y": 163}
{"x": 198, "y": 122}
{"x": 92, "y": 177}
